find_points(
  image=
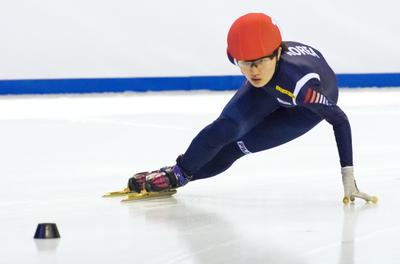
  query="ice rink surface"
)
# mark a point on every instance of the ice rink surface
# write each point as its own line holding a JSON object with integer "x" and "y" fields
{"x": 59, "y": 154}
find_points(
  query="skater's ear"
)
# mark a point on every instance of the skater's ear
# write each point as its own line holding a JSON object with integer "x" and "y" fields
{"x": 279, "y": 53}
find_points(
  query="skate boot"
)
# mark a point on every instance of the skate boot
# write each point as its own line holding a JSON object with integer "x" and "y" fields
{"x": 136, "y": 182}
{"x": 165, "y": 179}
{"x": 351, "y": 190}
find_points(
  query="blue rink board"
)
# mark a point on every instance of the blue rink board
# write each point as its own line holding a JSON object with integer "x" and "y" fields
{"x": 217, "y": 83}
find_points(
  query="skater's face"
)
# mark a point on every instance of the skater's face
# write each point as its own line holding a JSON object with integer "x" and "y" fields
{"x": 259, "y": 72}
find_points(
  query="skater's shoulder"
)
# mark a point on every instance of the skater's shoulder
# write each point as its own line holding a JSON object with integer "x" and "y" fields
{"x": 300, "y": 51}
{"x": 299, "y": 58}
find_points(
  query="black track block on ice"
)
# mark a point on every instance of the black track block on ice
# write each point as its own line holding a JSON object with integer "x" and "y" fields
{"x": 46, "y": 230}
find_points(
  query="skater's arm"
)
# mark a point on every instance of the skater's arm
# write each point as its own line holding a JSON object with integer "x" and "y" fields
{"x": 312, "y": 98}
{"x": 341, "y": 127}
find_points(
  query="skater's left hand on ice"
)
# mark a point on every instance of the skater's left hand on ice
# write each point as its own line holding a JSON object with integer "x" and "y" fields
{"x": 350, "y": 187}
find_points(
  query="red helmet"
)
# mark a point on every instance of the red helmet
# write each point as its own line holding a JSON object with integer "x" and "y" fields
{"x": 253, "y": 36}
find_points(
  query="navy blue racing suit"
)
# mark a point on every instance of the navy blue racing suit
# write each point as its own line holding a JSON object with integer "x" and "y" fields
{"x": 301, "y": 93}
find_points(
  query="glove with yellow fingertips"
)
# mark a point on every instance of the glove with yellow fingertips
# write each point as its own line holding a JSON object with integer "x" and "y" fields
{"x": 351, "y": 190}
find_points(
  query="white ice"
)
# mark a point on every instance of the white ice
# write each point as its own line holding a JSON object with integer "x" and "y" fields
{"x": 59, "y": 154}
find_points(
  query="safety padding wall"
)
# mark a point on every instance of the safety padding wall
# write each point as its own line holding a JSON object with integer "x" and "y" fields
{"x": 75, "y": 46}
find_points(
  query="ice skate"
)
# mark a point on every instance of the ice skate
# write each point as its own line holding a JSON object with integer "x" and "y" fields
{"x": 160, "y": 183}
{"x": 135, "y": 184}
{"x": 351, "y": 190}
{"x": 166, "y": 178}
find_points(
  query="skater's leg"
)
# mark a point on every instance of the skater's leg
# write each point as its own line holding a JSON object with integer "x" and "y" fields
{"x": 221, "y": 162}
{"x": 280, "y": 127}
{"x": 246, "y": 109}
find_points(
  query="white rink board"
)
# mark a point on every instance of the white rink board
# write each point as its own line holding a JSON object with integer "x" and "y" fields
{"x": 110, "y": 39}
{"x": 59, "y": 154}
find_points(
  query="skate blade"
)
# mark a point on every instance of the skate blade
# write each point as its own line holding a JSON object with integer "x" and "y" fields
{"x": 148, "y": 195}
{"x": 117, "y": 193}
